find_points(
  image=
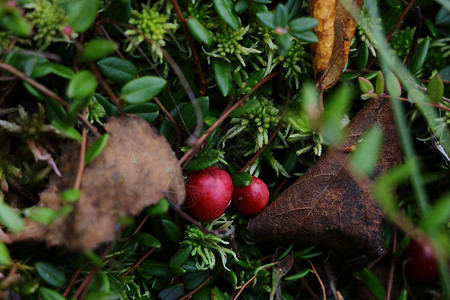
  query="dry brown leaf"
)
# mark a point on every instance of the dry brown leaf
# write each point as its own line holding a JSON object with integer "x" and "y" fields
{"x": 326, "y": 206}
{"x": 136, "y": 169}
{"x": 329, "y": 62}
{"x": 325, "y": 13}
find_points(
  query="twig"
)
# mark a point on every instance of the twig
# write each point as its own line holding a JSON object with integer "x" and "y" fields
{"x": 253, "y": 278}
{"x": 405, "y": 280}
{"x": 191, "y": 293}
{"x": 324, "y": 294}
{"x": 192, "y": 46}
{"x": 80, "y": 170}
{"x": 392, "y": 270}
{"x": 196, "y": 144}
{"x": 280, "y": 123}
{"x": 72, "y": 282}
{"x": 7, "y": 92}
{"x": 138, "y": 263}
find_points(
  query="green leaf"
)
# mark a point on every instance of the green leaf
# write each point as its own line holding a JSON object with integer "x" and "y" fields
{"x": 54, "y": 110}
{"x": 415, "y": 95}
{"x": 241, "y": 179}
{"x": 143, "y": 89}
{"x": 180, "y": 257}
{"x": 43, "y": 215}
{"x": 241, "y": 6}
{"x": 95, "y": 149}
{"x": 307, "y": 36}
{"x": 442, "y": 17}
{"x": 199, "y": 32}
{"x": 419, "y": 56}
{"x": 334, "y": 111}
{"x": 102, "y": 295}
{"x": 365, "y": 85}
{"x": 437, "y": 215}
{"x": 307, "y": 253}
{"x": 82, "y": 85}
{"x": 363, "y": 56}
{"x": 280, "y": 16}
{"x": 119, "y": 11}
{"x": 147, "y": 240}
{"x": 173, "y": 292}
{"x": 68, "y": 130}
{"x": 249, "y": 105}
{"x": 374, "y": 284}
{"x": 223, "y": 71}
{"x": 299, "y": 25}
{"x": 118, "y": 69}
{"x": 46, "y": 68}
{"x": 393, "y": 85}
{"x": 155, "y": 268}
{"x": 49, "y": 273}
{"x": 159, "y": 209}
{"x": 225, "y": 9}
{"x": 266, "y": 18}
{"x": 110, "y": 109}
{"x": 172, "y": 231}
{"x": 71, "y": 195}
{"x": 435, "y": 89}
{"x": 217, "y": 294}
{"x": 298, "y": 275}
{"x": 194, "y": 279}
{"x": 379, "y": 84}
{"x": 364, "y": 159}
{"x": 97, "y": 49}
{"x": 10, "y": 218}
{"x": 147, "y": 111}
{"x": 5, "y": 257}
{"x": 12, "y": 21}
{"x": 49, "y": 294}
{"x": 94, "y": 258}
{"x": 81, "y": 13}
{"x": 284, "y": 42}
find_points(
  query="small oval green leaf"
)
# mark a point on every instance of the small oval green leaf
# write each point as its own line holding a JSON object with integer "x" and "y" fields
{"x": 12, "y": 21}
{"x": 225, "y": 9}
{"x": 181, "y": 257}
{"x": 49, "y": 294}
{"x": 50, "y": 274}
{"x": 241, "y": 179}
{"x": 363, "y": 56}
{"x": 118, "y": 69}
{"x": 302, "y": 24}
{"x": 102, "y": 295}
{"x": 172, "y": 231}
{"x": 147, "y": 111}
{"x": 82, "y": 85}
{"x": 280, "y": 16}
{"x": 52, "y": 68}
{"x": 147, "y": 240}
{"x": 393, "y": 85}
{"x": 374, "y": 284}
{"x": 379, "y": 84}
{"x": 199, "y": 32}
{"x": 68, "y": 130}
{"x": 143, "y": 89}
{"x": 71, "y": 195}
{"x": 172, "y": 293}
{"x": 4, "y": 255}
{"x": 223, "y": 71}
{"x": 95, "y": 149}
{"x": 419, "y": 56}
{"x": 298, "y": 275}
{"x": 365, "y": 85}
{"x": 43, "y": 215}
{"x": 10, "y": 218}
{"x": 307, "y": 36}
{"x": 364, "y": 159}
{"x": 97, "y": 49}
{"x": 155, "y": 268}
{"x": 266, "y": 18}
{"x": 81, "y": 13}
{"x": 435, "y": 89}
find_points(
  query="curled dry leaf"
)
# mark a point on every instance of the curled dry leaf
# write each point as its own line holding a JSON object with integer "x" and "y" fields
{"x": 136, "y": 169}
{"x": 327, "y": 206}
{"x": 335, "y": 33}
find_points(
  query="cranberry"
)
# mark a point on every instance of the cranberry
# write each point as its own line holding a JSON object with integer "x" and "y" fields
{"x": 420, "y": 264}
{"x": 251, "y": 199}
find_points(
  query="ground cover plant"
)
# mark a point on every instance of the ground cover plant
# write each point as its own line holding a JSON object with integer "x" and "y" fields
{"x": 135, "y": 136}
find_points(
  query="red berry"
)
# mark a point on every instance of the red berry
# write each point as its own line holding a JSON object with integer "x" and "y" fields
{"x": 420, "y": 264}
{"x": 251, "y": 199}
{"x": 208, "y": 193}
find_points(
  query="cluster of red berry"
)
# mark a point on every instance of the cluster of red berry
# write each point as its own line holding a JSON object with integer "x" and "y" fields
{"x": 210, "y": 191}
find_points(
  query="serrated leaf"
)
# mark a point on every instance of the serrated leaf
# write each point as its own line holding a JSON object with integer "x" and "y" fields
{"x": 143, "y": 89}
{"x": 118, "y": 69}
{"x": 435, "y": 89}
{"x": 223, "y": 75}
{"x": 266, "y": 18}
{"x": 299, "y": 25}
{"x": 49, "y": 273}
{"x": 97, "y": 49}
{"x": 81, "y": 13}
{"x": 225, "y": 9}
{"x": 95, "y": 149}
{"x": 82, "y": 85}
{"x": 10, "y": 218}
